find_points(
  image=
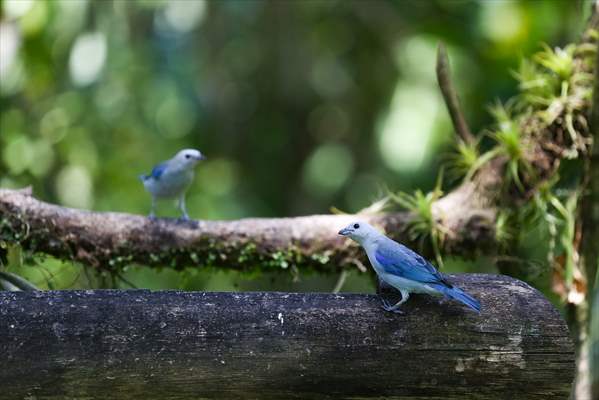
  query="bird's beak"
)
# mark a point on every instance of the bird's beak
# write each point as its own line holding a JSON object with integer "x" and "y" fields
{"x": 201, "y": 157}
{"x": 345, "y": 231}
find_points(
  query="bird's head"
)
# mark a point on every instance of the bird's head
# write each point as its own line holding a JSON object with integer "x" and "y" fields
{"x": 359, "y": 231}
{"x": 188, "y": 158}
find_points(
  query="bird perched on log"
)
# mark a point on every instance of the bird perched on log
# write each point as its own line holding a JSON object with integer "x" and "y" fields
{"x": 171, "y": 179}
{"x": 402, "y": 268}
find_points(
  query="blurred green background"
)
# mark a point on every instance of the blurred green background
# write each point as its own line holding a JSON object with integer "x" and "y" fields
{"x": 299, "y": 106}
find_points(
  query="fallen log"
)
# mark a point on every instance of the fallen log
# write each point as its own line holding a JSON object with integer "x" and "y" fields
{"x": 139, "y": 344}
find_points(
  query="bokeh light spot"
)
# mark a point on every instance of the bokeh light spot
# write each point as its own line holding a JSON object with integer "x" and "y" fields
{"x": 87, "y": 58}
{"x": 18, "y": 154}
{"x": 10, "y": 42}
{"x": 502, "y": 21}
{"x": 35, "y": 19}
{"x": 327, "y": 169}
{"x": 184, "y": 15}
{"x": 414, "y": 53}
{"x": 54, "y": 124}
{"x": 74, "y": 187}
{"x": 175, "y": 117}
{"x": 409, "y": 125}
{"x": 82, "y": 150}
{"x": 16, "y": 8}
{"x": 43, "y": 154}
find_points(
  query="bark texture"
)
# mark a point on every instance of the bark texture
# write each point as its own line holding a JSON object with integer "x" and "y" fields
{"x": 106, "y": 344}
{"x": 108, "y": 240}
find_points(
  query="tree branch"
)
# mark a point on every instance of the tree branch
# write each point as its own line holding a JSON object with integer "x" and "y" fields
{"x": 108, "y": 240}
{"x": 450, "y": 96}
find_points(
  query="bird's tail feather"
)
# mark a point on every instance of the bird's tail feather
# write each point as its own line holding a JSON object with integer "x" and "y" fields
{"x": 459, "y": 295}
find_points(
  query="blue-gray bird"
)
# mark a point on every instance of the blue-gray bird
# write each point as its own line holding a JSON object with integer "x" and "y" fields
{"x": 403, "y": 269}
{"x": 171, "y": 179}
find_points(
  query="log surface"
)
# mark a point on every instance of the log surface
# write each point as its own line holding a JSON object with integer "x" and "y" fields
{"x": 138, "y": 344}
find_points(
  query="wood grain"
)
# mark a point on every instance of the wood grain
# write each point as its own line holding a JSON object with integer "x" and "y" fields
{"x": 138, "y": 344}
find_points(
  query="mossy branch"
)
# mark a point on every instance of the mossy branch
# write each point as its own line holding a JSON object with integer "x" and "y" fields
{"x": 108, "y": 240}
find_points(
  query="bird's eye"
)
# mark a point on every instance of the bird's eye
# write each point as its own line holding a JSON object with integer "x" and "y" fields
{"x": 187, "y": 156}
{"x": 356, "y": 226}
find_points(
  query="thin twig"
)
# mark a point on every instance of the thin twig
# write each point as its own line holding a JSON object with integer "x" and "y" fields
{"x": 6, "y": 285}
{"x": 450, "y": 96}
{"x": 340, "y": 281}
{"x": 124, "y": 280}
{"x": 18, "y": 281}
{"x": 88, "y": 277}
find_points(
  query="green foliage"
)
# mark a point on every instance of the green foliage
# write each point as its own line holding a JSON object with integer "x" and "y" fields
{"x": 537, "y": 89}
{"x": 463, "y": 159}
{"x": 466, "y": 158}
{"x": 559, "y": 61}
{"x": 554, "y": 85}
{"x": 377, "y": 207}
{"x": 567, "y": 218}
{"x": 553, "y": 88}
{"x": 547, "y": 76}
{"x": 423, "y": 224}
{"x": 504, "y": 229}
{"x": 510, "y": 144}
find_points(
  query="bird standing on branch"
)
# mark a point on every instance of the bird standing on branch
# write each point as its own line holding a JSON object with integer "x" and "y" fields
{"x": 171, "y": 179}
{"x": 402, "y": 268}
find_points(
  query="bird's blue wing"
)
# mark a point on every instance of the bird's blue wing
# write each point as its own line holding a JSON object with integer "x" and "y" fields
{"x": 397, "y": 259}
{"x": 158, "y": 170}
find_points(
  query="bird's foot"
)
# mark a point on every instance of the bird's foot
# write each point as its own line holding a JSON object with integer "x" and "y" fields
{"x": 184, "y": 217}
{"x": 186, "y": 221}
{"x": 388, "y": 307}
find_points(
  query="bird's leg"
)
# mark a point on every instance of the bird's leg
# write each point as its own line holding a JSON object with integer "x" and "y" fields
{"x": 152, "y": 213}
{"x": 182, "y": 207}
{"x": 395, "y": 308}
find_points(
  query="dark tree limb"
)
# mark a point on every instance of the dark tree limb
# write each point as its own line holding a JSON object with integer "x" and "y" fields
{"x": 450, "y": 96}
{"x": 106, "y": 344}
{"x": 12, "y": 281}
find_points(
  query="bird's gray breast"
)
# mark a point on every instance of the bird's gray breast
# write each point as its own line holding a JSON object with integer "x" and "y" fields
{"x": 170, "y": 183}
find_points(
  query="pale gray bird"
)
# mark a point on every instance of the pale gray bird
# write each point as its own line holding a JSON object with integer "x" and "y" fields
{"x": 171, "y": 179}
{"x": 402, "y": 268}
